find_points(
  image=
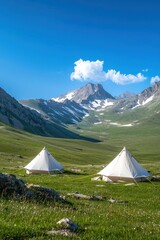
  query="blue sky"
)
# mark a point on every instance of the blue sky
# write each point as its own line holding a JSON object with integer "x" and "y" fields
{"x": 50, "y": 47}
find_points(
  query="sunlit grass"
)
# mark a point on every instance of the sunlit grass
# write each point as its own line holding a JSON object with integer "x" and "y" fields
{"x": 138, "y": 218}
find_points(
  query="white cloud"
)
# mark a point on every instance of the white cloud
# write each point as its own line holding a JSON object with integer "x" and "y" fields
{"x": 87, "y": 70}
{"x": 155, "y": 79}
{"x": 93, "y": 71}
{"x": 123, "y": 79}
{"x": 145, "y": 70}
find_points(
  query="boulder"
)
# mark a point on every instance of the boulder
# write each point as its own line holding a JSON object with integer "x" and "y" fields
{"x": 13, "y": 187}
{"x": 43, "y": 193}
{"x": 66, "y": 228}
{"x": 10, "y": 185}
{"x": 87, "y": 197}
{"x": 66, "y": 223}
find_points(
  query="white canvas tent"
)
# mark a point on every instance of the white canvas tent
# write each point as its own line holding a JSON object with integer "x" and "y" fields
{"x": 125, "y": 168}
{"x": 44, "y": 163}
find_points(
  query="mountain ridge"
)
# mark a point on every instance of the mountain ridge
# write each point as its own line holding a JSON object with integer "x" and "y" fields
{"x": 76, "y": 105}
{"x": 51, "y": 118}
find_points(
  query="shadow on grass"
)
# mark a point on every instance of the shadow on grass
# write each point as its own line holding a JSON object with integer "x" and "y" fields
{"x": 75, "y": 172}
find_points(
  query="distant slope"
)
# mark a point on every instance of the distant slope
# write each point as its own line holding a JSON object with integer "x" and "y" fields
{"x": 137, "y": 115}
{"x": 18, "y": 116}
{"x": 68, "y": 112}
{"x": 140, "y": 100}
{"x": 126, "y": 94}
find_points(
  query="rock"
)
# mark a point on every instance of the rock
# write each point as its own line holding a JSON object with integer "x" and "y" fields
{"x": 43, "y": 193}
{"x": 13, "y": 187}
{"x": 87, "y": 197}
{"x": 62, "y": 232}
{"x": 97, "y": 198}
{"x": 67, "y": 228}
{"x": 111, "y": 200}
{"x": 78, "y": 195}
{"x": 66, "y": 223}
{"x": 156, "y": 178}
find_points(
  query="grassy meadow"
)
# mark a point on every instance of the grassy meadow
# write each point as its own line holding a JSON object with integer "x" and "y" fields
{"x": 136, "y": 217}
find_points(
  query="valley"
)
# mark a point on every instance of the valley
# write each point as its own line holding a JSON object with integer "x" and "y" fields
{"x": 113, "y": 127}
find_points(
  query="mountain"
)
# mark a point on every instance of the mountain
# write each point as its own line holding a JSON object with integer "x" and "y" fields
{"x": 126, "y": 94}
{"x": 18, "y": 116}
{"x": 91, "y": 96}
{"x": 84, "y": 107}
{"x": 139, "y": 111}
{"x": 91, "y": 104}
{"x": 145, "y": 97}
{"x": 73, "y": 106}
{"x": 84, "y": 95}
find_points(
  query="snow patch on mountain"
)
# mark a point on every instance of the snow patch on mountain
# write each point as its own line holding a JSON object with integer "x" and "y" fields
{"x": 99, "y": 104}
{"x": 148, "y": 100}
{"x": 144, "y": 102}
{"x": 96, "y": 123}
{"x": 68, "y": 96}
{"x": 109, "y": 122}
{"x": 31, "y": 108}
{"x": 121, "y": 125}
{"x": 86, "y": 115}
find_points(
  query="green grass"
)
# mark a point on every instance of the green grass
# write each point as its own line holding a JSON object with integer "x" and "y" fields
{"x": 138, "y": 219}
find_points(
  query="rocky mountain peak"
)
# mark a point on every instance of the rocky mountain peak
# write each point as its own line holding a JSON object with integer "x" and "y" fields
{"x": 96, "y": 92}
{"x": 156, "y": 86}
{"x": 92, "y": 87}
{"x": 154, "y": 90}
{"x": 126, "y": 94}
{"x": 89, "y": 92}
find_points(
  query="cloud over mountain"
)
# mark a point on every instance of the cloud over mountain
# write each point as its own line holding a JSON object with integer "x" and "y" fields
{"x": 155, "y": 79}
{"x": 93, "y": 71}
{"x": 88, "y": 70}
